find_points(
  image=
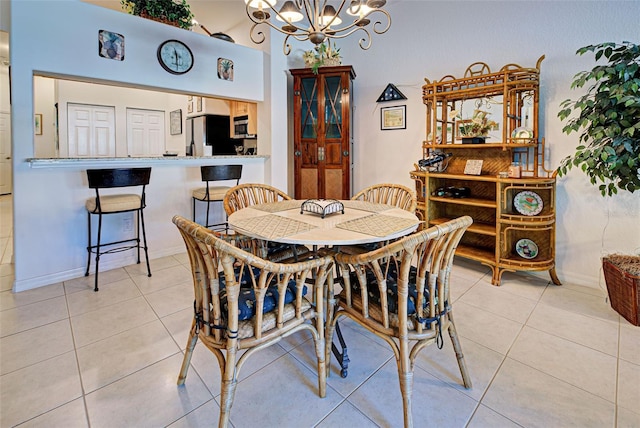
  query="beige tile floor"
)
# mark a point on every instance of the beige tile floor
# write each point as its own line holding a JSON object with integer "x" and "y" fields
{"x": 539, "y": 356}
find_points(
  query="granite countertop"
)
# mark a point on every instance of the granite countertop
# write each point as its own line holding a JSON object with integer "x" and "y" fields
{"x": 66, "y": 162}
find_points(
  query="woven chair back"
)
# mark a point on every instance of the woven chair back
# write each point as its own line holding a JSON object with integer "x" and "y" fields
{"x": 246, "y": 195}
{"x": 413, "y": 271}
{"x": 391, "y": 194}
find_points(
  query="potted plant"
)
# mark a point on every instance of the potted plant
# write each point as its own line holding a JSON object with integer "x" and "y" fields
{"x": 608, "y": 117}
{"x": 476, "y": 129}
{"x": 322, "y": 55}
{"x": 172, "y": 12}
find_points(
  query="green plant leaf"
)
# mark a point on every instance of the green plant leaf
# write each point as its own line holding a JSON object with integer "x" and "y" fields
{"x": 606, "y": 117}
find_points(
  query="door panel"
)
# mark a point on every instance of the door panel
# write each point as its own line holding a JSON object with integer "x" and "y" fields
{"x": 5, "y": 153}
{"x": 91, "y": 130}
{"x": 333, "y": 184}
{"x": 145, "y": 132}
{"x": 309, "y": 184}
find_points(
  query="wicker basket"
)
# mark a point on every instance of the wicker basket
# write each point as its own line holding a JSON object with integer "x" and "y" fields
{"x": 624, "y": 291}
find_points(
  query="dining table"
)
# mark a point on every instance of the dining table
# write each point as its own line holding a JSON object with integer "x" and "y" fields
{"x": 359, "y": 222}
{"x": 351, "y": 222}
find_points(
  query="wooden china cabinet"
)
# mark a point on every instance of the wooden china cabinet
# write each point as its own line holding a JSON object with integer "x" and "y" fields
{"x": 323, "y": 132}
{"x": 514, "y": 215}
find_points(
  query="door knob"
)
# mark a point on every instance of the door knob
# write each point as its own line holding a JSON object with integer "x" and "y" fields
{"x": 297, "y": 153}
{"x": 345, "y": 153}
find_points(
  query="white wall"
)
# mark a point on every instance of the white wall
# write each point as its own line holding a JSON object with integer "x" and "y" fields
{"x": 49, "y": 219}
{"x": 431, "y": 39}
{"x": 122, "y": 99}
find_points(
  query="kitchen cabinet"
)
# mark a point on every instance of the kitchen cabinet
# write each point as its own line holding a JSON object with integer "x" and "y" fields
{"x": 323, "y": 132}
{"x": 243, "y": 108}
{"x": 514, "y": 216}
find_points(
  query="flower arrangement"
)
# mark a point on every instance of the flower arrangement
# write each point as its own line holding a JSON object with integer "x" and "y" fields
{"x": 322, "y": 55}
{"x": 478, "y": 126}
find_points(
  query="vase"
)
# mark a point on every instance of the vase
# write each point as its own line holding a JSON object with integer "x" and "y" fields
{"x": 331, "y": 62}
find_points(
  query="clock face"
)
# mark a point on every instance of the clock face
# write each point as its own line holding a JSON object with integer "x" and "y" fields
{"x": 175, "y": 57}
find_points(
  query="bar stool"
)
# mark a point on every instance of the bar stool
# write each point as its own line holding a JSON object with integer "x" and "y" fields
{"x": 110, "y": 203}
{"x": 210, "y": 193}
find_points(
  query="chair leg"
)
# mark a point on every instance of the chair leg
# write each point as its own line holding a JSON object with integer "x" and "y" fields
{"x": 188, "y": 352}
{"x": 144, "y": 237}
{"x": 206, "y": 222}
{"x": 138, "y": 235}
{"x": 320, "y": 343}
{"x": 95, "y": 287}
{"x": 228, "y": 388}
{"x": 405, "y": 374}
{"x": 88, "y": 243}
{"x": 458, "y": 349}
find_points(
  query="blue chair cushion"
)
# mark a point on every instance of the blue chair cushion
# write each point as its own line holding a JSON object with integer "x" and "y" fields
{"x": 247, "y": 298}
{"x": 392, "y": 289}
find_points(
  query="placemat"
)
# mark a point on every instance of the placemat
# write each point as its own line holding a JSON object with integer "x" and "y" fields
{"x": 367, "y": 206}
{"x": 274, "y": 207}
{"x": 378, "y": 224}
{"x": 273, "y": 226}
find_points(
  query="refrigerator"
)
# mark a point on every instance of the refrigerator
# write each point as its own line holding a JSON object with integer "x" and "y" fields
{"x": 209, "y": 130}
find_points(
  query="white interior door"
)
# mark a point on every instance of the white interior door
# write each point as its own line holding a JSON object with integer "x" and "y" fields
{"x": 5, "y": 153}
{"x": 145, "y": 132}
{"x": 91, "y": 130}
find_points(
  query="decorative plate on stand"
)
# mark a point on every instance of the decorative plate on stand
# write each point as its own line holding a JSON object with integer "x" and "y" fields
{"x": 528, "y": 203}
{"x": 527, "y": 248}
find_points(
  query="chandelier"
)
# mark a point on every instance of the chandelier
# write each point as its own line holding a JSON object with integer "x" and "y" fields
{"x": 317, "y": 20}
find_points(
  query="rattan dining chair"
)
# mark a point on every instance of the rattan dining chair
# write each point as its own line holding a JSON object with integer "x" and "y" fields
{"x": 390, "y": 194}
{"x": 400, "y": 292}
{"x": 243, "y": 302}
{"x": 250, "y": 194}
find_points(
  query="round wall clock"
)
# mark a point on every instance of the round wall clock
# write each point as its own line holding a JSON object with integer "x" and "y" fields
{"x": 175, "y": 57}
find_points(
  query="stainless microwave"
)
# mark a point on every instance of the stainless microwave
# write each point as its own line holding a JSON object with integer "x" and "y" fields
{"x": 241, "y": 127}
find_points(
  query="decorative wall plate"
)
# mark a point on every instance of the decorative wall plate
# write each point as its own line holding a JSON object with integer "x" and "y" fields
{"x": 528, "y": 203}
{"x": 526, "y": 248}
{"x": 522, "y": 133}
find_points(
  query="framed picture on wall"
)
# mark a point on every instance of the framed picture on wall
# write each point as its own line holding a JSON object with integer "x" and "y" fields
{"x": 175, "y": 122}
{"x": 393, "y": 117}
{"x": 37, "y": 124}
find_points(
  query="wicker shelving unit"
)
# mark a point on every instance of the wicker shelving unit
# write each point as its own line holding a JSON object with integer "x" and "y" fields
{"x": 512, "y": 94}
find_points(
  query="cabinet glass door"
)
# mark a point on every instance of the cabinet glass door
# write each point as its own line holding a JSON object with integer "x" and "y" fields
{"x": 309, "y": 95}
{"x": 333, "y": 107}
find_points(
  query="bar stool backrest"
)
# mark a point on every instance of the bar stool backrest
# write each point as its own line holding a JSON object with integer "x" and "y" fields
{"x": 122, "y": 177}
{"x": 221, "y": 172}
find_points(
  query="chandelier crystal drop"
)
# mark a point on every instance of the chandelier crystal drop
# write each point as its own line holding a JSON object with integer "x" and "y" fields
{"x": 318, "y": 20}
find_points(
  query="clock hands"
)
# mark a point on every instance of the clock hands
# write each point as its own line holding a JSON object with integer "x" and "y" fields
{"x": 175, "y": 57}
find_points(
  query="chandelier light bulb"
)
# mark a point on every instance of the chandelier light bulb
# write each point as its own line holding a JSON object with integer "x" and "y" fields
{"x": 327, "y": 17}
{"x": 358, "y": 8}
{"x": 289, "y": 13}
{"x": 260, "y": 4}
